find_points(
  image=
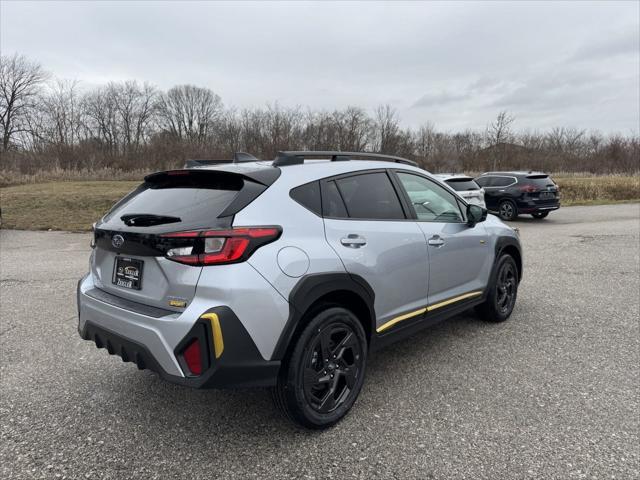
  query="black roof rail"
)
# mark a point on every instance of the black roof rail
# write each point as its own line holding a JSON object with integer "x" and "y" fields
{"x": 238, "y": 157}
{"x": 291, "y": 157}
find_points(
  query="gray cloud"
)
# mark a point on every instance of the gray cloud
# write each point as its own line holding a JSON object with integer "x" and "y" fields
{"x": 455, "y": 64}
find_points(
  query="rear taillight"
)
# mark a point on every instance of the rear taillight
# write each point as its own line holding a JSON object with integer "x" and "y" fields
{"x": 217, "y": 247}
{"x": 528, "y": 188}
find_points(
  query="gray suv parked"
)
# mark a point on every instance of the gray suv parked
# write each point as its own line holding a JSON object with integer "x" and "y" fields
{"x": 289, "y": 273}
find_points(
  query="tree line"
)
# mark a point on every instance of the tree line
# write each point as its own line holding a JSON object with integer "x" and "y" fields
{"x": 50, "y": 123}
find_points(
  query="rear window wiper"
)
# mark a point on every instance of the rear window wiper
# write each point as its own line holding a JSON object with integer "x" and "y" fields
{"x": 147, "y": 219}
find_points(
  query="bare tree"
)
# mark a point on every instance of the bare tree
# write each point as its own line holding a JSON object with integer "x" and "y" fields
{"x": 387, "y": 127}
{"x": 188, "y": 112}
{"x": 20, "y": 82}
{"x": 498, "y": 134}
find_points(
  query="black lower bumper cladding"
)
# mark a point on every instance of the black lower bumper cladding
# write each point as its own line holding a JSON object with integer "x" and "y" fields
{"x": 239, "y": 366}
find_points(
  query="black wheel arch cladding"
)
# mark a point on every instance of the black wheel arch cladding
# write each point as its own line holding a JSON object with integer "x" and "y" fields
{"x": 511, "y": 246}
{"x": 314, "y": 287}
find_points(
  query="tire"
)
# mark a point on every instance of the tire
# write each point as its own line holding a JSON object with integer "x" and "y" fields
{"x": 332, "y": 383}
{"x": 540, "y": 215}
{"x": 502, "y": 295}
{"x": 507, "y": 210}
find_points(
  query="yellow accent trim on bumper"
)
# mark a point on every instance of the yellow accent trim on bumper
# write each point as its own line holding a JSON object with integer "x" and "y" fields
{"x": 428, "y": 308}
{"x": 216, "y": 330}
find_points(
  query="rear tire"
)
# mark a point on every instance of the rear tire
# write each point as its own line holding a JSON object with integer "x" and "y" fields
{"x": 540, "y": 215}
{"x": 507, "y": 210}
{"x": 323, "y": 374}
{"x": 502, "y": 295}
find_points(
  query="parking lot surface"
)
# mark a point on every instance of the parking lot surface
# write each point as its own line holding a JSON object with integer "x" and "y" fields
{"x": 551, "y": 393}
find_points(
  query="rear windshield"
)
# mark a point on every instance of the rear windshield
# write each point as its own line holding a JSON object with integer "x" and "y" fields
{"x": 539, "y": 180}
{"x": 176, "y": 201}
{"x": 461, "y": 184}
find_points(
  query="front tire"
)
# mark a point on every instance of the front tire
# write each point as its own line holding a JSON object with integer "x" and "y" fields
{"x": 323, "y": 375}
{"x": 507, "y": 210}
{"x": 502, "y": 295}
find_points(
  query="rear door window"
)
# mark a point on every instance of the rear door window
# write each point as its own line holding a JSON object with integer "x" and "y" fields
{"x": 484, "y": 181}
{"x": 332, "y": 203}
{"x": 503, "y": 181}
{"x": 370, "y": 196}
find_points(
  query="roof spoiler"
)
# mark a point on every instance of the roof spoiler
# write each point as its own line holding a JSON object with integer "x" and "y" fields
{"x": 238, "y": 157}
{"x": 298, "y": 157}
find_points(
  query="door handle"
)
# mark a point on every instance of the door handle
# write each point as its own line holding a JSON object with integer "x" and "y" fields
{"x": 353, "y": 240}
{"x": 435, "y": 241}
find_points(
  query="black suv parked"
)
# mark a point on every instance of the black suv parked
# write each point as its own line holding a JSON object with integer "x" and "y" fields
{"x": 512, "y": 193}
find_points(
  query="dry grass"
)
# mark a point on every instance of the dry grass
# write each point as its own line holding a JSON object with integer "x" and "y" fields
{"x": 9, "y": 177}
{"x": 603, "y": 189}
{"x": 75, "y": 205}
{"x": 59, "y": 205}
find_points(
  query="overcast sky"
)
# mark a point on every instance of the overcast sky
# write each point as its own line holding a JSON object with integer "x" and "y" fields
{"x": 456, "y": 65}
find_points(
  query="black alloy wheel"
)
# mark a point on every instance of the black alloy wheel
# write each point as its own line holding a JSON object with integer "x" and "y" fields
{"x": 332, "y": 366}
{"x": 507, "y": 210}
{"x": 321, "y": 377}
{"x": 506, "y": 287}
{"x": 501, "y": 297}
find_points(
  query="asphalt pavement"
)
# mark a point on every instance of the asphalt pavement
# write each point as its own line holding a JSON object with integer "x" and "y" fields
{"x": 552, "y": 393}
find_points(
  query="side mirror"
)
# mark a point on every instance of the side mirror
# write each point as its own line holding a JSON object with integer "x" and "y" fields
{"x": 475, "y": 214}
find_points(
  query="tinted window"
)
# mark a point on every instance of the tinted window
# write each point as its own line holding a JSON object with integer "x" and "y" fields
{"x": 308, "y": 196}
{"x": 370, "y": 195}
{"x": 462, "y": 184}
{"x": 182, "y": 200}
{"x": 484, "y": 181}
{"x": 540, "y": 181}
{"x": 503, "y": 181}
{"x": 431, "y": 201}
{"x": 332, "y": 204}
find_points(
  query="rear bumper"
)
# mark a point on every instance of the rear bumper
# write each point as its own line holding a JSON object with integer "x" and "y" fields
{"x": 145, "y": 338}
{"x": 533, "y": 207}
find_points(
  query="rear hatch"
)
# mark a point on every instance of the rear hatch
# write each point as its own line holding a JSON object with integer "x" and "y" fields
{"x": 541, "y": 189}
{"x": 131, "y": 257}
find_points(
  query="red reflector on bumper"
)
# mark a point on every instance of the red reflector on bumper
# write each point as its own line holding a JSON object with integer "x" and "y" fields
{"x": 193, "y": 357}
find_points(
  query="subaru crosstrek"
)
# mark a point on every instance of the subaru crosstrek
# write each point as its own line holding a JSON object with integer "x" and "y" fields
{"x": 289, "y": 273}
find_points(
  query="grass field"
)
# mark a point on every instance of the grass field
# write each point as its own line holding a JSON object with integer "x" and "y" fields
{"x": 75, "y": 205}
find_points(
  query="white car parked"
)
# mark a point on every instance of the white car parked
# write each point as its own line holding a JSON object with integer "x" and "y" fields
{"x": 464, "y": 186}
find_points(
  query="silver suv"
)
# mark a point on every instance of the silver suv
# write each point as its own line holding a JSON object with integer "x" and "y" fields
{"x": 289, "y": 273}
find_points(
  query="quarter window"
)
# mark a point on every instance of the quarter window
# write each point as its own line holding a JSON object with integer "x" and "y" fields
{"x": 431, "y": 202}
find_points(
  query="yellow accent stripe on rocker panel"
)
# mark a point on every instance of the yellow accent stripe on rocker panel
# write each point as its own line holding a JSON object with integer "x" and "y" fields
{"x": 453, "y": 300}
{"x": 428, "y": 308}
{"x": 216, "y": 331}
{"x": 393, "y": 321}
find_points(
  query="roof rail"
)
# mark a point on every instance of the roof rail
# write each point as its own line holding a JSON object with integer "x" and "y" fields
{"x": 297, "y": 157}
{"x": 238, "y": 157}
